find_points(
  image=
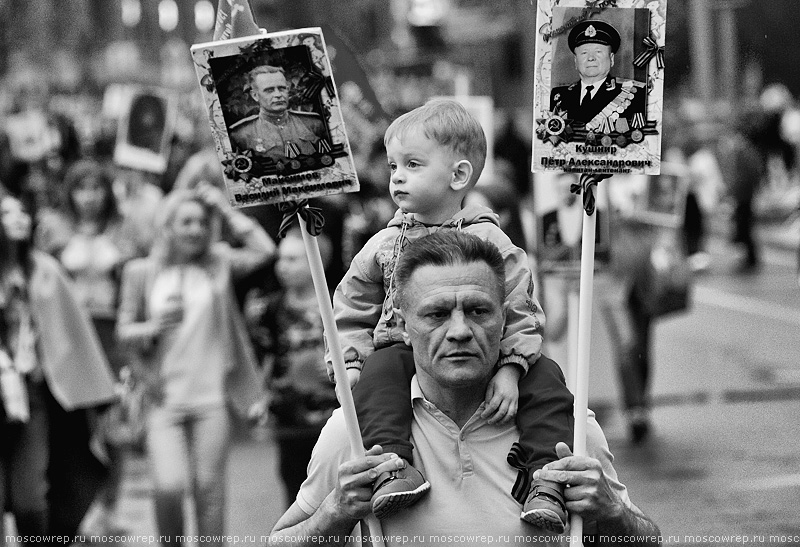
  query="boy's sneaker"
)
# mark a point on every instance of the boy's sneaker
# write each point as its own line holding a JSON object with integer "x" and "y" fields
{"x": 396, "y": 490}
{"x": 545, "y": 506}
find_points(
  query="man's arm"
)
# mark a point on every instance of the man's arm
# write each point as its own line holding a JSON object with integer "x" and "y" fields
{"x": 348, "y": 503}
{"x": 591, "y": 495}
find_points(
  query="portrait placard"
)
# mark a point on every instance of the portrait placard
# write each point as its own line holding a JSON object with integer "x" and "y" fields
{"x": 145, "y": 130}
{"x": 275, "y": 117}
{"x": 598, "y": 86}
{"x": 559, "y": 223}
{"x": 660, "y": 200}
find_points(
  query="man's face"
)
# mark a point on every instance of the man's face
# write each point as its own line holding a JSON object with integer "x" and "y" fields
{"x": 292, "y": 267}
{"x": 453, "y": 318}
{"x": 271, "y": 92}
{"x": 593, "y": 61}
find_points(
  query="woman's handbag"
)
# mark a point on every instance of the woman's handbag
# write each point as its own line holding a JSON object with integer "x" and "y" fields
{"x": 127, "y": 418}
{"x": 664, "y": 283}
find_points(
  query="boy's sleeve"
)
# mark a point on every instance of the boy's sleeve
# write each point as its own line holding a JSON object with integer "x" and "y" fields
{"x": 522, "y": 336}
{"x": 357, "y": 304}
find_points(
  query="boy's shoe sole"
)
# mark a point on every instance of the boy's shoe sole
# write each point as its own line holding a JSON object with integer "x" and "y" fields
{"x": 544, "y": 518}
{"x": 397, "y": 490}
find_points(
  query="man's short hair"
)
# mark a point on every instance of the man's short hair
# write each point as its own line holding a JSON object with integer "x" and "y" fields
{"x": 263, "y": 69}
{"x": 448, "y": 123}
{"x": 448, "y": 248}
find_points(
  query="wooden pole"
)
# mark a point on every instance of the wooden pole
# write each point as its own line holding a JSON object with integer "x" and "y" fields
{"x": 339, "y": 371}
{"x": 582, "y": 369}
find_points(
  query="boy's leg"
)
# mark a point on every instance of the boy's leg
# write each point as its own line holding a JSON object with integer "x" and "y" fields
{"x": 544, "y": 418}
{"x": 382, "y": 398}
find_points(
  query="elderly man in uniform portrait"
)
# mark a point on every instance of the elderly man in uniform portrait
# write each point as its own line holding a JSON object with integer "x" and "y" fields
{"x": 603, "y": 102}
{"x": 276, "y": 131}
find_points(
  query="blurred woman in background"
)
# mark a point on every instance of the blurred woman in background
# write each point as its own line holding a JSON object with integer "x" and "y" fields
{"x": 179, "y": 313}
{"x": 89, "y": 240}
{"x": 55, "y": 379}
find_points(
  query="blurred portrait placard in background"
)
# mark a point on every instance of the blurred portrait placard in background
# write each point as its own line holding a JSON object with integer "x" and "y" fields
{"x": 145, "y": 130}
{"x": 559, "y": 223}
{"x": 598, "y": 86}
{"x": 275, "y": 117}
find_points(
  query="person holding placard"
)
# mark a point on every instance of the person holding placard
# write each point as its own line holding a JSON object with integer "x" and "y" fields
{"x": 451, "y": 308}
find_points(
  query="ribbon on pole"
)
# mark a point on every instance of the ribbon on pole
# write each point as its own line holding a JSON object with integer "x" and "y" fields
{"x": 586, "y": 186}
{"x": 314, "y": 221}
{"x": 234, "y": 20}
{"x": 652, "y": 50}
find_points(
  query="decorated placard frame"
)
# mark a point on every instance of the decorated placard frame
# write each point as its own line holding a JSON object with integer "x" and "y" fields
{"x": 618, "y": 130}
{"x": 306, "y": 153}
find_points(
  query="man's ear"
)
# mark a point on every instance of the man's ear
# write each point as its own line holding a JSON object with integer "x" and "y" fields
{"x": 401, "y": 324}
{"x": 612, "y": 59}
{"x": 462, "y": 175}
{"x": 254, "y": 94}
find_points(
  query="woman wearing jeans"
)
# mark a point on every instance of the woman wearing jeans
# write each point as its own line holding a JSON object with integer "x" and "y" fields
{"x": 179, "y": 312}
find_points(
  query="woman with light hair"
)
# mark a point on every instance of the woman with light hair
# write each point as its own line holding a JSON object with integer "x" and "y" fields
{"x": 179, "y": 313}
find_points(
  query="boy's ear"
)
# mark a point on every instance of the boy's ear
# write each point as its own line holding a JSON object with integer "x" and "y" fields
{"x": 462, "y": 175}
{"x": 401, "y": 324}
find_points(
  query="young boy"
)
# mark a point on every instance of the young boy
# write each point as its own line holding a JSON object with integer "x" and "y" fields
{"x": 436, "y": 153}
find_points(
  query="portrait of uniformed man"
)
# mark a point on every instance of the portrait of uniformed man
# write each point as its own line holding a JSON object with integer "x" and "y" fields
{"x": 275, "y": 131}
{"x": 598, "y": 99}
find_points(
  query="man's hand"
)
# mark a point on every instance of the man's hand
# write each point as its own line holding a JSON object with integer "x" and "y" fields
{"x": 589, "y": 493}
{"x": 353, "y": 493}
{"x": 502, "y": 395}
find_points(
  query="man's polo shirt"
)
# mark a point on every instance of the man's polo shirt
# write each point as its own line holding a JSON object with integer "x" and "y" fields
{"x": 469, "y": 502}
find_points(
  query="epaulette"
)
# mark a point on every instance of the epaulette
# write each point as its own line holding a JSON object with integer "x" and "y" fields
{"x": 244, "y": 121}
{"x": 628, "y": 83}
{"x": 304, "y": 113}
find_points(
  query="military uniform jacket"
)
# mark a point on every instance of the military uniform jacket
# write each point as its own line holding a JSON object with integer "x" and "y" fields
{"x": 301, "y": 132}
{"x": 616, "y": 99}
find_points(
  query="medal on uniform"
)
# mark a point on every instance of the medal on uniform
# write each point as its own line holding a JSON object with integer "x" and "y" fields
{"x": 260, "y": 145}
{"x": 554, "y": 129}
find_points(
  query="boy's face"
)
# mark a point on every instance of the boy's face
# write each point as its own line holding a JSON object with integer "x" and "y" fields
{"x": 421, "y": 173}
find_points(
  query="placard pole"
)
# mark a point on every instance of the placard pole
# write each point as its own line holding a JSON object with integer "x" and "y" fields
{"x": 339, "y": 371}
{"x": 583, "y": 356}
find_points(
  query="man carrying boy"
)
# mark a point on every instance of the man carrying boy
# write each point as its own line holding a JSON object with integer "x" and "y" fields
{"x": 451, "y": 292}
{"x": 436, "y": 153}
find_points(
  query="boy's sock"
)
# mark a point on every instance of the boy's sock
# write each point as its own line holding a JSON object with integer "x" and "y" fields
{"x": 545, "y": 506}
{"x": 397, "y": 490}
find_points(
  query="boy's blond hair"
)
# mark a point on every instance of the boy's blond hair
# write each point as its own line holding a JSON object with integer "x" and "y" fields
{"x": 448, "y": 123}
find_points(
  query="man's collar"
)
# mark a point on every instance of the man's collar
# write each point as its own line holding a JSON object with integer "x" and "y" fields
{"x": 416, "y": 390}
{"x": 601, "y": 84}
{"x": 273, "y": 119}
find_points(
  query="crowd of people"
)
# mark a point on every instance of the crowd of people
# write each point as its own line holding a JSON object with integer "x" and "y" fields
{"x": 139, "y": 310}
